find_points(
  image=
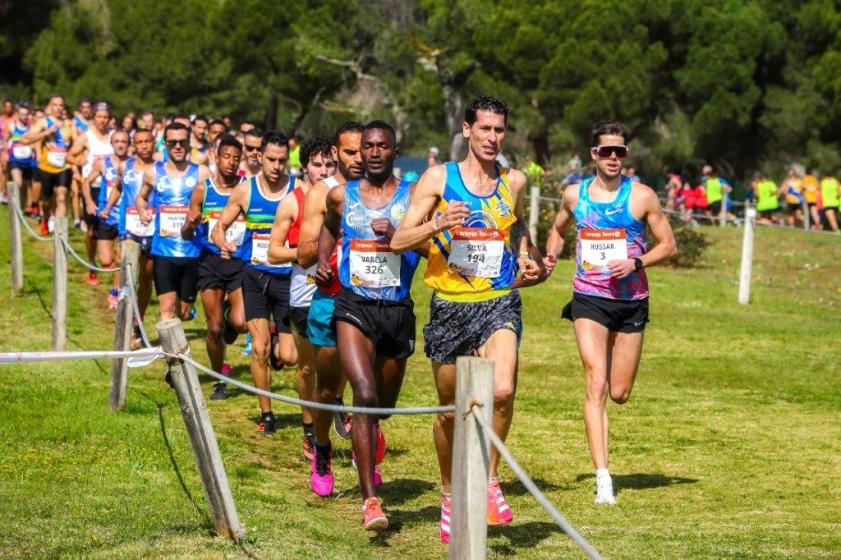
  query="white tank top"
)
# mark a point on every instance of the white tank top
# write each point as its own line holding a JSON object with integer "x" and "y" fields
{"x": 96, "y": 149}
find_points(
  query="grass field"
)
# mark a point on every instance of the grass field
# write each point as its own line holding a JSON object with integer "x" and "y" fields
{"x": 729, "y": 448}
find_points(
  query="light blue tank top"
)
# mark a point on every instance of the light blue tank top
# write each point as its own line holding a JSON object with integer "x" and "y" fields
{"x": 109, "y": 179}
{"x": 172, "y": 196}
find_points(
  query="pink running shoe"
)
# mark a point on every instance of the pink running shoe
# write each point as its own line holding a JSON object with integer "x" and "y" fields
{"x": 378, "y": 458}
{"x": 446, "y": 507}
{"x": 378, "y": 477}
{"x": 499, "y": 512}
{"x": 373, "y": 518}
{"x": 113, "y": 299}
{"x": 321, "y": 473}
{"x": 227, "y": 369}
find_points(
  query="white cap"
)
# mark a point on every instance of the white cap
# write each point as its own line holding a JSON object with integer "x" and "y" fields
{"x": 433, "y": 150}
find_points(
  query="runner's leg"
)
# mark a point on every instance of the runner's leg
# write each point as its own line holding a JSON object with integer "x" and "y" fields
{"x": 625, "y": 352}
{"x": 442, "y": 427}
{"x": 260, "y": 373}
{"x": 501, "y": 347}
{"x": 592, "y": 341}
{"x": 212, "y": 300}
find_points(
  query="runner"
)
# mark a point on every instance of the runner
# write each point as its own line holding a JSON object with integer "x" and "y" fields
{"x": 609, "y": 308}
{"x": 330, "y": 378}
{"x": 811, "y": 186}
{"x": 106, "y": 221}
{"x": 52, "y": 137}
{"x": 374, "y": 314}
{"x": 265, "y": 287}
{"x": 476, "y": 225}
{"x": 251, "y": 161}
{"x": 82, "y": 122}
{"x": 147, "y": 121}
{"x": 792, "y": 189}
{"x": 83, "y": 116}
{"x": 318, "y": 162}
{"x": 198, "y": 140}
{"x": 295, "y": 168}
{"x": 21, "y": 158}
{"x": 7, "y": 122}
{"x": 243, "y": 129}
{"x": 96, "y": 143}
{"x": 767, "y": 204}
{"x": 130, "y": 226}
{"x": 716, "y": 189}
{"x": 175, "y": 266}
{"x": 830, "y": 201}
{"x": 220, "y": 280}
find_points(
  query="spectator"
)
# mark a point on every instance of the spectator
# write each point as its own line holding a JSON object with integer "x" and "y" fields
{"x": 432, "y": 157}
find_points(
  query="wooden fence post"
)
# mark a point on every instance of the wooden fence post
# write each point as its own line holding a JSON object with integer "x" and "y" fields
{"x": 471, "y": 458}
{"x": 722, "y": 214}
{"x": 534, "y": 213}
{"x": 124, "y": 325}
{"x": 202, "y": 438}
{"x": 15, "y": 240}
{"x": 60, "y": 285}
{"x": 747, "y": 256}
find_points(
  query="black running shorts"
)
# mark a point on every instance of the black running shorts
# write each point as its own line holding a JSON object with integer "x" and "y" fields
{"x": 266, "y": 296}
{"x": 390, "y": 325}
{"x": 105, "y": 232}
{"x": 52, "y": 181}
{"x": 299, "y": 318}
{"x": 216, "y": 273}
{"x": 176, "y": 274}
{"x": 618, "y": 315}
{"x": 460, "y": 328}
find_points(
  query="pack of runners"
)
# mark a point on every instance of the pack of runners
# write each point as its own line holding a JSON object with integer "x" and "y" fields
{"x": 310, "y": 248}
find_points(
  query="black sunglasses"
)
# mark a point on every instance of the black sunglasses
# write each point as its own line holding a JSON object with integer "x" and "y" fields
{"x": 185, "y": 143}
{"x": 604, "y": 152}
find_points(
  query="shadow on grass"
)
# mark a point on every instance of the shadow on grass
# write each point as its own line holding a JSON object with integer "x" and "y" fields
{"x": 401, "y": 490}
{"x": 520, "y": 536}
{"x": 641, "y": 481}
{"x": 516, "y": 488}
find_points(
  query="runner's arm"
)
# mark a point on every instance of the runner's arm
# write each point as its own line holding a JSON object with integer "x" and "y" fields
{"x": 278, "y": 252}
{"x": 142, "y": 199}
{"x": 328, "y": 235}
{"x": 80, "y": 142}
{"x": 232, "y": 209}
{"x": 95, "y": 173}
{"x": 116, "y": 193}
{"x": 314, "y": 209}
{"x": 194, "y": 215}
{"x": 38, "y": 132}
{"x": 528, "y": 256}
{"x": 555, "y": 239}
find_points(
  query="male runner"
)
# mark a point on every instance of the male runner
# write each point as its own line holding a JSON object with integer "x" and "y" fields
{"x": 83, "y": 115}
{"x": 147, "y": 121}
{"x": 96, "y": 143}
{"x": 82, "y": 121}
{"x": 792, "y": 189}
{"x": 219, "y": 279}
{"x": 318, "y": 162}
{"x": 105, "y": 222}
{"x": 810, "y": 192}
{"x": 53, "y": 137}
{"x": 265, "y": 287}
{"x": 374, "y": 314}
{"x": 609, "y": 308}
{"x": 330, "y": 379}
{"x": 130, "y": 226}
{"x": 243, "y": 129}
{"x": 476, "y": 226}
{"x": 767, "y": 203}
{"x": 175, "y": 266}
{"x": 20, "y": 157}
{"x": 251, "y": 161}
{"x": 198, "y": 141}
{"x": 716, "y": 189}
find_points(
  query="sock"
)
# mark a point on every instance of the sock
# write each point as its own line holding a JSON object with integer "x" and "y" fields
{"x": 308, "y": 429}
{"x": 322, "y": 448}
{"x": 602, "y": 473}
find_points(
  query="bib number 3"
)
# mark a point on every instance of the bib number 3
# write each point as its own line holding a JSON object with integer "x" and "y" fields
{"x": 599, "y": 246}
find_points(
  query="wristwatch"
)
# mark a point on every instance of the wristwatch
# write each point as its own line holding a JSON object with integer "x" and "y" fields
{"x": 638, "y": 264}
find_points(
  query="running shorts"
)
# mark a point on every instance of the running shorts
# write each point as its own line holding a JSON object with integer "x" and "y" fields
{"x": 25, "y": 170}
{"x": 298, "y": 319}
{"x": 320, "y": 328}
{"x": 176, "y": 274}
{"x": 715, "y": 208}
{"x": 618, "y": 315}
{"x": 52, "y": 181}
{"x": 266, "y": 296}
{"x": 216, "y": 273}
{"x": 104, "y": 231}
{"x": 144, "y": 242}
{"x": 461, "y": 328}
{"x": 390, "y": 325}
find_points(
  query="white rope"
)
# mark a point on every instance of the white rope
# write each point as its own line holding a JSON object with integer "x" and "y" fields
{"x": 535, "y": 491}
{"x": 132, "y": 294}
{"x": 83, "y": 262}
{"x": 25, "y": 357}
{"x": 22, "y": 219}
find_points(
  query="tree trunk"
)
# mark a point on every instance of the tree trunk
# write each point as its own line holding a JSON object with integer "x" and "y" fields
{"x": 271, "y": 112}
{"x": 540, "y": 144}
{"x": 453, "y": 112}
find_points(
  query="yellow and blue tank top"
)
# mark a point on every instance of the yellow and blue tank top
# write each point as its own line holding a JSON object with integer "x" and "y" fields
{"x": 474, "y": 262}
{"x": 172, "y": 198}
{"x": 367, "y": 266}
{"x": 53, "y": 156}
{"x": 108, "y": 181}
{"x": 19, "y": 153}
{"x": 259, "y": 217}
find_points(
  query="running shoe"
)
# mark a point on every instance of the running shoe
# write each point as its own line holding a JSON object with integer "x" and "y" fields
{"x": 342, "y": 422}
{"x": 83, "y": 225}
{"x": 373, "y": 518}
{"x": 274, "y": 360}
{"x": 92, "y": 279}
{"x": 309, "y": 447}
{"x": 378, "y": 477}
{"x": 246, "y": 350}
{"x": 113, "y": 298}
{"x": 604, "y": 490}
{"x": 191, "y": 314}
{"x": 4, "y": 198}
{"x": 321, "y": 472}
{"x": 446, "y": 508}
{"x": 45, "y": 229}
{"x": 219, "y": 391}
{"x": 380, "y": 445}
{"x": 77, "y": 224}
{"x": 499, "y": 512}
{"x": 230, "y": 334}
{"x": 266, "y": 424}
{"x": 51, "y": 224}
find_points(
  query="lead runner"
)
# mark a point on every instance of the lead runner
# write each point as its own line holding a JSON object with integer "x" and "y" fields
{"x": 609, "y": 308}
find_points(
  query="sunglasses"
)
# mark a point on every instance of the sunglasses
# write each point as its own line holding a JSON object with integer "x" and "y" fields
{"x": 171, "y": 144}
{"x": 251, "y": 148}
{"x": 605, "y": 152}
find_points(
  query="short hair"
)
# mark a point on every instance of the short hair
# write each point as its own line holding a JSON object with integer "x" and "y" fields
{"x": 228, "y": 140}
{"x": 144, "y": 113}
{"x": 217, "y": 121}
{"x": 143, "y": 131}
{"x": 315, "y": 146}
{"x": 276, "y": 138}
{"x": 54, "y": 96}
{"x": 349, "y": 126}
{"x": 255, "y": 133}
{"x": 82, "y": 100}
{"x": 201, "y": 118}
{"x": 381, "y": 125}
{"x": 21, "y": 104}
{"x": 252, "y": 123}
{"x": 121, "y": 131}
{"x": 485, "y": 103}
{"x": 175, "y": 126}
{"x": 613, "y": 128}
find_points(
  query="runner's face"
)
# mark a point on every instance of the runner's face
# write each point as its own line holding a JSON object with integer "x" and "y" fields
{"x": 273, "y": 162}
{"x": 148, "y": 122}
{"x": 227, "y": 161}
{"x": 23, "y": 115}
{"x": 85, "y": 109}
{"x": 216, "y": 131}
{"x": 144, "y": 145}
{"x": 199, "y": 129}
{"x": 100, "y": 121}
{"x": 8, "y": 108}
{"x": 348, "y": 155}
{"x": 320, "y": 167}
{"x": 244, "y": 128}
{"x": 378, "y": 152}
{"x": 119, "y": 141}
{"x": 56, "y": 107}
{"x": 485, "y": 136}
{"x": 609, "y": 167}
{"x": 175, "y": 145}
{"x": 251, "y": 148}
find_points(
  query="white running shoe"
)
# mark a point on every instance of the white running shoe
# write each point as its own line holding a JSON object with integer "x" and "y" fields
{"x": 51, "y": 225}
{"x": 604, "y": 490}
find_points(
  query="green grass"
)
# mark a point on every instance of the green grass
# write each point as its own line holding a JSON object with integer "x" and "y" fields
{"x": 729, "y": 448}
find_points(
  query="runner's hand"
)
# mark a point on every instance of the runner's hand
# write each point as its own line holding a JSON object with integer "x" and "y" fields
{"x": 620, "y": 268}
{"x": 529, "y": 269}
{"x": 104, "y": 213}
{"x": 90, "y": 208}
{"x": 227, "y": 250}
{"x": 146, "y": 216}
{"x": 193, "y": 217}
{"x": 383, "y": 227}
{"x": 549, "y": 262}
{"x": 455, "y": 215}
{"x": 324, "y": 276}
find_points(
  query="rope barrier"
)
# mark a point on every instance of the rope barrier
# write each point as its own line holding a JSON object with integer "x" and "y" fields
{"x": 132, "y": 294}
{"x": 535, "y": 491}
{"x": 31, "y": 231}
{"x": 83, "y": 262}
{"x": 25, "y": 357}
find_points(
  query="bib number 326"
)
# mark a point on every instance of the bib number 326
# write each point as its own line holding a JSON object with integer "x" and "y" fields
{"x": 373, "y": 265}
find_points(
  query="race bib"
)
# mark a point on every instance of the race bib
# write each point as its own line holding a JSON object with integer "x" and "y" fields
{"x": 22, "y": 152}
{"x": 172, "y": 218}
{"x": 135, "y": 227}
{"x": 476, "y": 252}
{"x": 235, "y": 233}
{"x": 57, "y": 157}
{"x": 373, "y": 265}
{"x": 260, "y": 250}
{"x": 598, "y": 246}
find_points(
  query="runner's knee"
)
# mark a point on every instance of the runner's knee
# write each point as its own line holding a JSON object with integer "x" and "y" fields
{"x": 620, "y": 396}
{"x": 597, "y": 389}
{"x": 503, "y": 393}
{"x": 365, "y": 394}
